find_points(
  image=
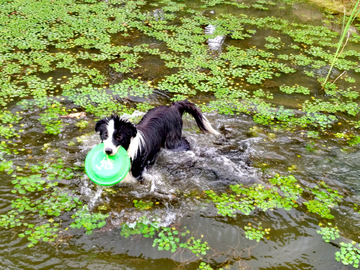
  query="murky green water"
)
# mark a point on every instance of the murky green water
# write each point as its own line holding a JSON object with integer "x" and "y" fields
{"x": 247, "y": 153}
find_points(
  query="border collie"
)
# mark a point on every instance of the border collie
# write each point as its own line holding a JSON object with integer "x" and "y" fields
{"x": 160, "y": 127}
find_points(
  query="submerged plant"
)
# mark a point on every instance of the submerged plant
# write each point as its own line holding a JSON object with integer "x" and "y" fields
{"x": 142, "y": 205}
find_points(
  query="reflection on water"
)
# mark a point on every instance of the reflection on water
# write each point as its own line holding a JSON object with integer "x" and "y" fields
{"x": 216, "y": 43}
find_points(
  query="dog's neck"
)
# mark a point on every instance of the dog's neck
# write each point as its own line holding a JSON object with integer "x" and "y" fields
{"x": 136, "y": 145}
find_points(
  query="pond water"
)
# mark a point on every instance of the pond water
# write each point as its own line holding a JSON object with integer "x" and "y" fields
{"x": 248, "y": 152}
{"x": 178, "y": 180}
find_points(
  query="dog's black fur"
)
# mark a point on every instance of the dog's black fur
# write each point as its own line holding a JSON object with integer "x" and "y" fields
{"x": 160, "y": 127}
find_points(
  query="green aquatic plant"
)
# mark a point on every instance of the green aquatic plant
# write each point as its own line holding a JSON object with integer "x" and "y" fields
{"x": 295, "y": 89}
{"x": 41, "y": 198}
{"x": 349, "y": 254}
{"x": 328, "y": 233}
{"x": 6, "y": 166}
{"x": 82, "y": 124}
{"x": 204, "y": 266}
{"x": 275, "y": 43}
{"x": 259, "y": 6}
{"x": 87, "y": 87}
{"x": 255, "y": 233}
{"x": 354, "y": 140}
{"x": 8, "y": 120}
{"x": 144, "y": 227}
{"x": 325, "y": 199}
{"x": 90, "y": 221}
{"x": 30, "y": 183}
{"x": 47, "y": 232}
{"x": 165, "y": 238}
{"x": 282, "y": 194}
{"x": 196, "y": 246}
{"x": 313, "y": 134}
{"x": 142, "y": 205}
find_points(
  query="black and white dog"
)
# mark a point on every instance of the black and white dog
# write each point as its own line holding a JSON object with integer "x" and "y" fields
{"x": 160, "y": 127}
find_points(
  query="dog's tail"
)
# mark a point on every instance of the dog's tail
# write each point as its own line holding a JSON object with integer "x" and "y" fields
{"x": 201, "y": 121}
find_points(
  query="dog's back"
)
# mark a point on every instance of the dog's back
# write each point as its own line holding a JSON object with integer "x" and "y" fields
{"x": 162, "y": 127}
{"x": 165, "y": 122}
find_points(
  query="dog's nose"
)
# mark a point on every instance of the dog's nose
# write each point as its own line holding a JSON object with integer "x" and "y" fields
{"x": 108, "y": 151}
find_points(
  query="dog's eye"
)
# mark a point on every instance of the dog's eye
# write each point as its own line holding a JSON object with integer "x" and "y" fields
{"x": 105, "y": 134}
{"x": 118, "y": 137}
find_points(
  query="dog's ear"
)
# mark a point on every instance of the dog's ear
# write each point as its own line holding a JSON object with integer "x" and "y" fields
{"x": 133, "y": 130}
{"x": 120, "y": 122}
{"x": 100, "y": 124}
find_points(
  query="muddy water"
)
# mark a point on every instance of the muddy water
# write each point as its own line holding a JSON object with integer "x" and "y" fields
{"x": 211, "y": 164}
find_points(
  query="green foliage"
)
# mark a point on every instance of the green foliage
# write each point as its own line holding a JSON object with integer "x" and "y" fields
{"x": 144, "y": 107}
{"x": 196, "y": 246}
{"x": 31, "y": 183}
{"x": 82, "y": 124}
{"x": 317, "y": 105}
{"x": 126, "y": 66}
{"x": 342, "y": 42}
{"x": 204, "y": 266}
{"x": 328, "y": 233}
{"x": 349, "y": 254}
{"x": 354, "y": 141}
{"x": 313, "y": 134}
{"x": 7, "y": 120}
{"x": 142, "y": 205}
{"x": 11, "y": 219}
{"x": 165, "y": 238}
{"x": 275, "y": 43}
{"x": 90, "y": 27}
{"x": 89, "y": 221}
{"x": 47, "y": 232}
{"x": 325, "y": 199}
{"x": 295, "y": 89}
{"x": 143, "y": 227}
{"x": 253, "y": 233}
{"x": 41, "y": 198}
{"x": 282, "y": 194}
{"x": 6, "y": 166}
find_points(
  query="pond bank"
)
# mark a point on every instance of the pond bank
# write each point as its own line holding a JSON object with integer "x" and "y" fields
{"x": 335, "y": 6}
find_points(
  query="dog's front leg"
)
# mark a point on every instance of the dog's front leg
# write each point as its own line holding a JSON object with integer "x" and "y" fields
{"x": 137, "y": 169}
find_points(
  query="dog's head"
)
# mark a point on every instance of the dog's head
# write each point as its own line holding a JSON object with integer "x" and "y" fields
{"x": 115, "y": 132}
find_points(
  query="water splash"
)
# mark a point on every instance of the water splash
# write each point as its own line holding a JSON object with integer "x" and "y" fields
{"x": 215, "y": 44}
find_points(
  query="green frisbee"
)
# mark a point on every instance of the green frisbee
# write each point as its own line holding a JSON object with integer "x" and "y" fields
{"x": 106, "y": 170}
